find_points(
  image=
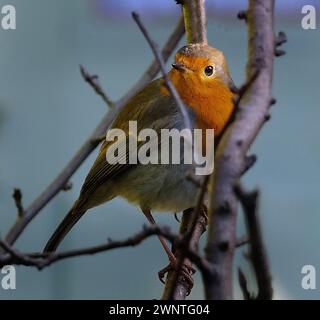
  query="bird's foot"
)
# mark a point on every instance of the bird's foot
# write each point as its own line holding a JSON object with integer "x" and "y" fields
{"x": 186, "y": 272}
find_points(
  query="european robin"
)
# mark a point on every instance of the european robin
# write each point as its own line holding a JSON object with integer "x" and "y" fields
{"x": 201, "y": 77}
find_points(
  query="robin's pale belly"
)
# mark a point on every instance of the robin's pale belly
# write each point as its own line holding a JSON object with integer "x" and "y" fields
{"x": 158, "y": 187}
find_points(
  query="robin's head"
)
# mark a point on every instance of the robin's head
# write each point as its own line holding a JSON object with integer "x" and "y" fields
{"x": 201, "y": 77}
{"x": 201, "y": 66}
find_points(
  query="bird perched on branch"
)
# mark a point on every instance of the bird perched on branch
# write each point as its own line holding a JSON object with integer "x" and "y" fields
{"x": 201, "y": 77}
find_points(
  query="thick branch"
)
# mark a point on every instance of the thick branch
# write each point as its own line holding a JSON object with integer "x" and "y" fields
{"x": 231, "y": 153}
{"x": 92, "y": 142}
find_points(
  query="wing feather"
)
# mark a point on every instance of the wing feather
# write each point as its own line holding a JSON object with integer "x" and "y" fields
{"x": 150, "y": 109}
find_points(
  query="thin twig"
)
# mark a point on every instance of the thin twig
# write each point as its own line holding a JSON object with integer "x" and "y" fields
{"x": 42, "y": 260}
{"x": 154, "y": 68}
{"x": 257, "y": 254}
{"x": 242, "y": 241}
{"x": 244, "y": 285}
{"x": 157, "y": 54}
{"x": 93, "y": 81}
{"x": 17, "y": 196}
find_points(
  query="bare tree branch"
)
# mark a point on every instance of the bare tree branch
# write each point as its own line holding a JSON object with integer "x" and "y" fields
{"x": 257, "y": 254}
{"x": 243, "y": 285}
{"x": 93, "y": 81}
{"x": 194, "y": 20}
{"x": 192, "y": 227}
{"x": 242, "y": 241}
{"x": 232, "y": 151}
{"x": 42, "y": 260}
{"x": 91, "y": 143}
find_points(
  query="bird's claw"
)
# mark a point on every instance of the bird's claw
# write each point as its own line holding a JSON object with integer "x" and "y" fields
{"x": 187, "y": 272}
{"x": 163, "y": 272}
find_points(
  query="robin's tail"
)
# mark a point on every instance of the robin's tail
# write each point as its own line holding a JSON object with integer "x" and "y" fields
{"x": 65, "y": 226}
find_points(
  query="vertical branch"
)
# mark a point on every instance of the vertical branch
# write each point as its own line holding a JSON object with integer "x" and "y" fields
{"x": 177, "y": 288}
{"x": 182, "y": 288}
{"x": 194, "y": 20}
{"x": 193, "y": 224}
{"x": 231, "y": 154}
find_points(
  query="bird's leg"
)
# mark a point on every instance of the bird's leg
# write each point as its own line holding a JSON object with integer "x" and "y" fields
{"x": 187, "y": 270}
{"x": 169, "y": 253}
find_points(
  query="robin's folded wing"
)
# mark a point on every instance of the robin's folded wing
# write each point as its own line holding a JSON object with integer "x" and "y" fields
{"x": 150, "y": 109}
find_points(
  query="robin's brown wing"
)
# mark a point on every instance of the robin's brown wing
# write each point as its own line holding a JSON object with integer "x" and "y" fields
{"x": 150, "y": 109}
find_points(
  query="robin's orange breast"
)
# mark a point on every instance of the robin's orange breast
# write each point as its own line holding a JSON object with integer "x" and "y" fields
{"x": 212, "y": 104}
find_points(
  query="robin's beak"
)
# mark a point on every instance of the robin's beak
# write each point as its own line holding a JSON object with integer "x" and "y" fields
{"x": 180, "y": 67}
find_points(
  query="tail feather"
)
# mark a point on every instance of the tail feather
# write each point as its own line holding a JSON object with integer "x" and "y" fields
{"x": 63, "y": 229}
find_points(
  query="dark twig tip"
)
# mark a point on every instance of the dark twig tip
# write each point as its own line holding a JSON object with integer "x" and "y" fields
{"x": 242, "y": 15}
{"x": 68, "y": 186}
{"x": 273, "y": 101}
{"x": 281, "y": 39}
{"x": 135, "y": 15}
{"x": 267, "y": 117}
{"x": 243, "y": 285}
{"x": 93, "y": 81}
{"x": 17, "y": 196}
{"x": 242, "y": 241}
{"x": 249, "y": 161}
{"x": 279, "y": 53}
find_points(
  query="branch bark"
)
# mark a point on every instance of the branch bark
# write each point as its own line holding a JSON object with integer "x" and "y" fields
{"x": 194, "y": 20}
{"x": 232, "y": 151}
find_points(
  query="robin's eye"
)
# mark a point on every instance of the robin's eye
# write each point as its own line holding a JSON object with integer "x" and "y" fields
{"x": 209, "y": 71}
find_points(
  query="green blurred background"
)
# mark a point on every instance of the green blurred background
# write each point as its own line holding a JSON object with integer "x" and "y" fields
{"x": 47, "y": 110}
